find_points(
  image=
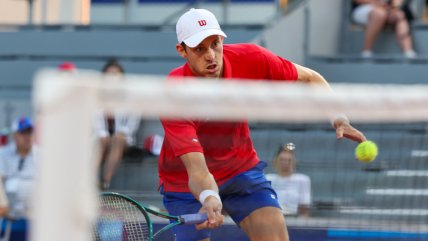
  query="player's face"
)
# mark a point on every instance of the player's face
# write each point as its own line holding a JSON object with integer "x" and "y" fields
{"x": 286, "y": 162}
{"x": 206, "y": 59}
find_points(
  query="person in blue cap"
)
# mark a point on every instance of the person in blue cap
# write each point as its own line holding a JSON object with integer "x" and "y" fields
{"x": 18, "y": 166}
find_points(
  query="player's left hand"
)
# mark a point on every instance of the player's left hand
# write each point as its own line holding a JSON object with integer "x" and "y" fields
{"x": 345, "y": 130}
{"x": 212, "y": 207}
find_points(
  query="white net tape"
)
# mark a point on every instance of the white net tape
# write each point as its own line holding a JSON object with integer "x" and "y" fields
{"x": 153, "y": 96}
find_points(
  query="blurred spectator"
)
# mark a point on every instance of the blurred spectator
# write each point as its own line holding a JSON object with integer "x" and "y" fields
{"x": 18, "y": 167}
{"x": 115, "y": 132}
{"x": 293, "y": 189}
{"x": 375, "y": 15}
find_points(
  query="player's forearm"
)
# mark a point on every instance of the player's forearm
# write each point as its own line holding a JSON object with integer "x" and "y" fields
{"x": 311, "y": 77}
{"x": 199, "y": 184}
{"x": 200, "y": 178}
{"x": 317, "y": 80}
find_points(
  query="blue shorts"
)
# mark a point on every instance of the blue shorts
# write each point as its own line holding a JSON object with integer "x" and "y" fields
{"x": 241, "y": 195}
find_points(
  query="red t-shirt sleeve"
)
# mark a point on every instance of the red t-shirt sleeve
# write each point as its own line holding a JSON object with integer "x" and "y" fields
{"x": 181, "y": 136}
{"x": 278, "y": 68}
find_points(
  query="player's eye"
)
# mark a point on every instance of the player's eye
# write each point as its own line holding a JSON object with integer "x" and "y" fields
{"x": 216, "y": 43}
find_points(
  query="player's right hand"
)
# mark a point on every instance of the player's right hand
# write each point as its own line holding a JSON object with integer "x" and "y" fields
{"x": 212, "y": 207}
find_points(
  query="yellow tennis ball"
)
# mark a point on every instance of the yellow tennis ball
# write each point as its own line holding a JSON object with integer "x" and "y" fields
{"x": 366, "y": 151}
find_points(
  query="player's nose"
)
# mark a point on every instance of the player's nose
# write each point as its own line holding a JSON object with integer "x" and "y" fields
{"x": 210, "y": 55}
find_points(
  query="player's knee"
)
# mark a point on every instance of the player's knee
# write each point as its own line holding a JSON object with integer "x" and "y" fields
{"x": 268, "y": 218}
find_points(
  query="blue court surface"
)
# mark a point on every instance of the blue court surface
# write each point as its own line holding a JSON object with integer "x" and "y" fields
{"x": 310, "y": 229}
{"x": 315, "y": 229}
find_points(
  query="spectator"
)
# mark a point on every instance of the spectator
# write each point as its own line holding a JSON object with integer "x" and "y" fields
{"x": 375, "y": 15}
{"x": 115, "y": 132}
{"x": 293, "y": 189}
{"x": 18, "y": 166}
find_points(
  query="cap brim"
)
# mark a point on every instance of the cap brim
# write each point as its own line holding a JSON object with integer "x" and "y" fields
{"x": 196, "y": 39}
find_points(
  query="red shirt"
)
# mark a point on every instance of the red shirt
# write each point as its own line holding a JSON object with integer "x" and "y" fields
{"x": 227, "y": 146}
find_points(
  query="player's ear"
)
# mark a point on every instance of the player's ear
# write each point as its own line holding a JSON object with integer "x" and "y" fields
{"x": 181, "y": 50}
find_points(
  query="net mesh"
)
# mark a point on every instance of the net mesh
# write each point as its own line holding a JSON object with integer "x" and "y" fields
{"x": 385, "y": 198}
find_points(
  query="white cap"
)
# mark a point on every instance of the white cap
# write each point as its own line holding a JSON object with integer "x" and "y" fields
{"x": 196, "y": 25}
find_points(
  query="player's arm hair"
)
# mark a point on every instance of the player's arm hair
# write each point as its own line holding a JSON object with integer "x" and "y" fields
{"x": 200, "y": 177}
{"x": 311, "y": 77}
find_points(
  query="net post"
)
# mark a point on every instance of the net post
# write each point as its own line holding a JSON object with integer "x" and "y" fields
{"x": 64, "y": 114}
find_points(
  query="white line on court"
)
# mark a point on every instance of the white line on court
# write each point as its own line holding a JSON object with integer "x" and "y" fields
{"x": 407, "y": 173}
{"x": 401, "y": 192}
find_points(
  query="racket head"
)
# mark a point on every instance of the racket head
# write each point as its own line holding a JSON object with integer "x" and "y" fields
{"x": 121, "y": 218}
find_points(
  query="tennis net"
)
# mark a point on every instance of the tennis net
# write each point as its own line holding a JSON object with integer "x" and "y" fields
{"x": 388, "y": 194}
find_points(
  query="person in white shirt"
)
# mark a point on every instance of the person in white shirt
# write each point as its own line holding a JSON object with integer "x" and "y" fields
{"x": 115, "y": 132}
{"x": 18, "y": 167}
{"x": 293, "y": 189}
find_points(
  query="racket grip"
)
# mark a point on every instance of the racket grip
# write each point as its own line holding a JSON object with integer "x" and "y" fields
{"x": 194, "y": 218}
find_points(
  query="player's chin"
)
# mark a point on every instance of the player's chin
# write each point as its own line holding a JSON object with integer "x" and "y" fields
{"x": 212, "y": 74}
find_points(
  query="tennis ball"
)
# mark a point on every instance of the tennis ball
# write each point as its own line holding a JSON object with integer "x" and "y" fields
{"x": 366, "y": 151}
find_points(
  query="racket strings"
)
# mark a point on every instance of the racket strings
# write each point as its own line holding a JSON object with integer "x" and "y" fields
{"x": 120, "y": 220}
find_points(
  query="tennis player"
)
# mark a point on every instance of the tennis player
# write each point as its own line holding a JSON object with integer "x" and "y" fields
{"x": 207, "y": 166}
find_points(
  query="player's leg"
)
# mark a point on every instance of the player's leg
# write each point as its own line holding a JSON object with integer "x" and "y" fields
{"x": 114, "y": 157}
{"x": 265, "y": 224}
{"x": 252, "y": 203}
{"x": 184, "y": 203}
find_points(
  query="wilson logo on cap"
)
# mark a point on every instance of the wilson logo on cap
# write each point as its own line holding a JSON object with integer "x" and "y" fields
{"x": 202, "y": 23}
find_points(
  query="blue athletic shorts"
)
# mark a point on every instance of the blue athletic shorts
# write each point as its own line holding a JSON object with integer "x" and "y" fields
{"x": 241, "y": 195}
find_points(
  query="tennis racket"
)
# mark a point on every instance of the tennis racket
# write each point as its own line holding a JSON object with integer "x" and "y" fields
{"x": 122, "y": 218}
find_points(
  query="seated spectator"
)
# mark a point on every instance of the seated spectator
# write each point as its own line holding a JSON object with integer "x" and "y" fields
{"x": 293, "y": 189}
{"x": 18, "y": 167}
{"x": 115, "y": 132}
{"x": 375, "y": 15}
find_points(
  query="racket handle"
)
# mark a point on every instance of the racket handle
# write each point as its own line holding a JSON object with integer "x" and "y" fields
{"x": 194, "y": 218}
